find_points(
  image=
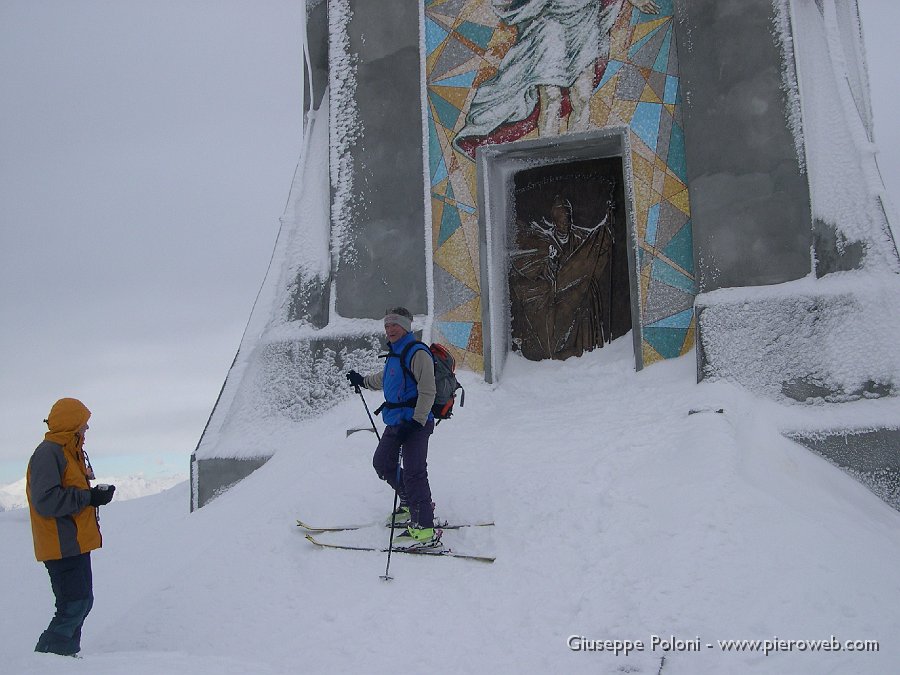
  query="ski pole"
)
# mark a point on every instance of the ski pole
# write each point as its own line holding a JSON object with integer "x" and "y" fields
{"x": 386, "y": 576}
{"x": 366, "y": 406}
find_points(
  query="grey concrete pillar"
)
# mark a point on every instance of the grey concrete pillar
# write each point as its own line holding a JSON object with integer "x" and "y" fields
{"x": 749, "y": 194}
{"x": 385, "y": 260}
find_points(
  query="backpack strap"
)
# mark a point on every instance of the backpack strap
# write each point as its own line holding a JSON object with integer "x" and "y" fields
{"x": 407, "y": 352}
{"x": 409, "y": 403}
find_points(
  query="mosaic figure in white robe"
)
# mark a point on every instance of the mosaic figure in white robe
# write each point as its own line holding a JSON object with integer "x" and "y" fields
{"x": 557, "y": 46}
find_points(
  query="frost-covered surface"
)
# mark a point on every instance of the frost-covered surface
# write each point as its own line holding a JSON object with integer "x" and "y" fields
{"x": 293, "y": 354}
{"x": 784, "y": 37}
{"x": 632, "y": 520}
{"x": 345, "y": 128}
{"x": 845, "y": 187}
{"x": 305, "y": 257}
{"x": 871, "y": 455}
{"x": 833, "y": 338}
{"x": 837, "y": 334}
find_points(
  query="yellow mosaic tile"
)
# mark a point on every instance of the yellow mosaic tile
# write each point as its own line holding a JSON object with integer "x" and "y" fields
{"x": 681, "y": 201}
{"x": 458, "y": 354}
{"x": 649, "y": 354}
{"x": 645, "y": 284}
{"x": 649, "y": 96}
{"x": 643, "y": 170}
{"x": 624, "y": 110}
{"x": 474, "y": 362}
{"x": 437, "y": 214}
{"x": 470, "y": 311}
{"x": 644, "y": 29}
{"x": 470, "y": 229}
{"x": 440, "y": 188}
{"x": 688, "y": 345}
{"x": 620, "y": 38}
{"x": 672, "y": 186}
{"x": 454, "y": 257}
{"x": 600, "y": 111}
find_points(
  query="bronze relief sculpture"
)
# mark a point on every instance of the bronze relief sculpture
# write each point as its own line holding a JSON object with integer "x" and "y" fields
{"x": 559, "y": 279}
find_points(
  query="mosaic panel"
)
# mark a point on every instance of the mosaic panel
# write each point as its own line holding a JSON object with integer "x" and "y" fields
{"x": 497, "y": 72}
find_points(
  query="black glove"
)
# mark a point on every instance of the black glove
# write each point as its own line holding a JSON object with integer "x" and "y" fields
{"x": 407, "y": 427}
{"x": 100, "y": 496}
{"x": 356, "y": 380}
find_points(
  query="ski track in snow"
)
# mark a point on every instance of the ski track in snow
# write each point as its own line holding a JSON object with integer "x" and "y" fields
{"x": 619, "y": 517}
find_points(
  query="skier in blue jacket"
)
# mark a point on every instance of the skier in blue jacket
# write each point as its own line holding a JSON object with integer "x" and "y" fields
{"x": 409, "y": 390}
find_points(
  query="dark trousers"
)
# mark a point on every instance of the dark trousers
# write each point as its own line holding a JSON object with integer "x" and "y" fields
{"x": 411, "y": 482}
{"x": 73, "y": 587}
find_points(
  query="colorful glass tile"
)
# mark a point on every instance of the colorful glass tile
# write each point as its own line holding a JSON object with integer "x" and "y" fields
{"x": 666, "y": 341}
{"x": 680, "y": 248}
{"x": 457, "y": 332}
{"x": 645, "y": 123}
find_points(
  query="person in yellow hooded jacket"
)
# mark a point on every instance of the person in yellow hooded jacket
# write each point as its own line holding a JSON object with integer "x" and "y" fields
{"x": 64, "y": 521}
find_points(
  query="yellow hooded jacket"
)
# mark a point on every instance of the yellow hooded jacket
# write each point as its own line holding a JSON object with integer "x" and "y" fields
{"x": 63, "y": 523}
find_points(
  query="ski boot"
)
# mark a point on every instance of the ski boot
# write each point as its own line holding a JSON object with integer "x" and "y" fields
{"x": 415, "y": 537}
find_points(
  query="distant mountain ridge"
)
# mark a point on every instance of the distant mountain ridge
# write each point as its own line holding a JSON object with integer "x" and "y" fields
{"x": 12, "y": 495}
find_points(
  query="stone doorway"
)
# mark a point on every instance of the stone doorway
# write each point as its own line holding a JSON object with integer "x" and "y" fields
{"x": 528, "y": 190}
{"x": 568, "y": 260}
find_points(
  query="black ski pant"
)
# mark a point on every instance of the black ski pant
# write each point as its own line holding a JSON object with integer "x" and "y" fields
{"x": 73, "y": 587}
{"x": 410, "y": 481}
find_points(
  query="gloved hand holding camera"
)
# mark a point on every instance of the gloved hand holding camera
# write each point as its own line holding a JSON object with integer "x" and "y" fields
{"x": 102, "y": 494}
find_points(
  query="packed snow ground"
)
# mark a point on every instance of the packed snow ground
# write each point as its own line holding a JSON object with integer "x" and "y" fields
{"x": 618, "y": 517}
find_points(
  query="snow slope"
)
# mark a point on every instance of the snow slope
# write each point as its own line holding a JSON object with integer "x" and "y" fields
{"x": 635, "y": 520}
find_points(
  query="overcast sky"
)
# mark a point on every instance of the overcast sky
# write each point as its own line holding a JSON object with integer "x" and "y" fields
{"x": 146, "y": 152}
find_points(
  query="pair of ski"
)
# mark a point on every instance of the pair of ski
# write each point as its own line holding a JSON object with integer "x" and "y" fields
{"x": 311, "y": 530}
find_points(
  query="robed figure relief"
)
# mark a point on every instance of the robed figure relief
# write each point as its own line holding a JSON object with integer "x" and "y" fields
{"x": 559, "y": 283}
{"x": 546, "y": 79}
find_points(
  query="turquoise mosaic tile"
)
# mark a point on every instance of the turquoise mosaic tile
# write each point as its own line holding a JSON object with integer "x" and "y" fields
{"x": 440, "y": 171}
{"x": 680, "y": 248}
{"x": 652, "y": 224}
{"x": 645, "y": 123}
{"x": 680, "y": 320}
{"x": 434, "y": 35}
{"x": 447, "y": 112}
{"x": 463, "y": 80}
{"x": 675, "y": 160}
{"x": 457, "y": 332}
{"x": 480, "y": 35}
{"x": 612, "y": 68}
{"x": 450, "y": 223}
{"x": 667, "y": 341}
{"x": 435, "y": 157}
{"x": 671, "y": 92}
{"x": 661, "y": 64}
{"x": 662, "y": 271}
